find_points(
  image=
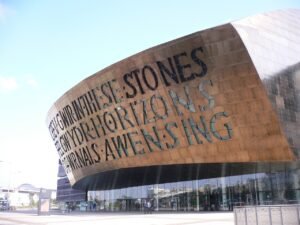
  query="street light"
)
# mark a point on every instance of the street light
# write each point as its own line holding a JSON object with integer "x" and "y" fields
{"x": 9, "y": 182}
{"x": 11, "y": 173}
{"x": 6, "y": 176}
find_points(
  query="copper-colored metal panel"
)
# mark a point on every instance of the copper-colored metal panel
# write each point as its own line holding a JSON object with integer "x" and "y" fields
{"x": 197, "y": 99}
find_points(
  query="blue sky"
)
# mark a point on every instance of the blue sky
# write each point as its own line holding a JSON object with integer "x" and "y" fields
{"x": 48, "y": 46}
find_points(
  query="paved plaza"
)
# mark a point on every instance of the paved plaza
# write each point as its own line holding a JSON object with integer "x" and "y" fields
{"x": 26, "y": 218}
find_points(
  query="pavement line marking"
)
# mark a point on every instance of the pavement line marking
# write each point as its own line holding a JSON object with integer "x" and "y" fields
{"x": 21, "y": 222}
{"x": 77, "y": 218}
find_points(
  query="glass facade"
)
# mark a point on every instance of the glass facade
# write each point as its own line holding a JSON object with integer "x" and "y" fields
{"x": 214, "y": 194}
{"x": 67, "y": 197}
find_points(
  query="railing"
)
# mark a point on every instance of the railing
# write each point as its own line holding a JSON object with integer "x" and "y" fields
{"x": 267, "y": 215}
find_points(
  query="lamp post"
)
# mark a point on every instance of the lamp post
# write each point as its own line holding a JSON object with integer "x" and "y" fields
{"x": 6, "y": 178}
{"x": 1, "y": 181}
{"x": 10, "y": 183}
{"x": 10, "y": 179}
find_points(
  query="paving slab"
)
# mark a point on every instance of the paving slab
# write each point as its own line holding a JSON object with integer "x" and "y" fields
{"x": 26, "y": 218}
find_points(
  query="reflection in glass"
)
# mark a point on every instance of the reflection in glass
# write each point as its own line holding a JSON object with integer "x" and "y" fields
{"x": 214, "y": 194}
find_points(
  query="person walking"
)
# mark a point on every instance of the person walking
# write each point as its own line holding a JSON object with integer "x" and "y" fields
{"x": 145, "y": 206}
{"x": 149, "y": 207}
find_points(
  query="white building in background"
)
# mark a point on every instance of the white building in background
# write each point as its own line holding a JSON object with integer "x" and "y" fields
{"x": 25, "y": 195}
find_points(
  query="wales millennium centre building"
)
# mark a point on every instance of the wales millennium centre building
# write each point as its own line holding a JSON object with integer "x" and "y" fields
{"x": 204, "y": 122}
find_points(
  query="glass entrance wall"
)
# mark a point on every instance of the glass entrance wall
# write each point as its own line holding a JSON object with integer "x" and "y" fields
{"x": 214, "y": 194}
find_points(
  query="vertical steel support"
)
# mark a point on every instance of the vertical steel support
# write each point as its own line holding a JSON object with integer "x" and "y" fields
{"x": 270, "y": 215}
{"x": 246, "y": 219}
{"x": 197, "y": 196}
{"x": 235, "y": 219}
{"x": 281, "y": 218}
{"x": 298, "y": 216}
{"x": 256, "y": 217}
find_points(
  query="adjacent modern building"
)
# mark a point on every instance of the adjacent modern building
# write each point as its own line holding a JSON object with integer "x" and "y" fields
{"x": 66, "y": 195}
{"x": 204, "y": 122}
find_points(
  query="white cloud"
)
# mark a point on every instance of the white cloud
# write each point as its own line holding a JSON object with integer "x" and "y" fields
{"x": 4, "y": 12}
{"x": 8, "y": 84}
{"x": 2, "y": 9}
{"x": 32, "y": 82}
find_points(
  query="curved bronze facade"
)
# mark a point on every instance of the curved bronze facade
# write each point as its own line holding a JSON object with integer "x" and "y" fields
{"x": 204, "y": 99}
